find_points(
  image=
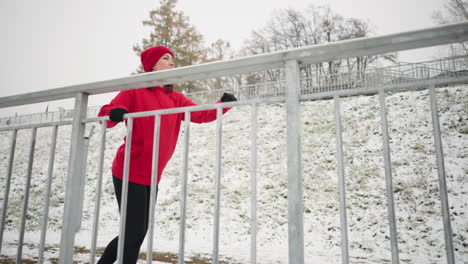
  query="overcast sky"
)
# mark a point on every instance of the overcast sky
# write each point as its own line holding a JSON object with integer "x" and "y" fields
{"x": 55, "y": 43}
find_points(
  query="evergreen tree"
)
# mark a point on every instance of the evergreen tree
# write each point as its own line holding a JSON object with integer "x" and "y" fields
{"x": 171, "y": 28}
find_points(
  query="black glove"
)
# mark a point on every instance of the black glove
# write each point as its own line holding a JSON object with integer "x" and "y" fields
{"x": 116, "y": 114}
{"x": 227, "y": 97}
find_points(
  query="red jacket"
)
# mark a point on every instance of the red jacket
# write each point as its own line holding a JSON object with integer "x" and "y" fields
{"x": 147, "y": 99}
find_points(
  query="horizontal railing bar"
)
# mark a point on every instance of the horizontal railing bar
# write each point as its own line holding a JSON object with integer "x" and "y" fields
{"x": 445, "y": 34}
{"x": 414, "y": 85}
{"x": 388, "y": 88}
{"x": 271, "y": 100}
{"x": 203, "y": 107}
{"x": 38, "y": 125}
{"x": 237, "y": 87}
{"x": 429, "y": 70}
{"x": 356, "y": 91}
{"x": 96, "y": 119}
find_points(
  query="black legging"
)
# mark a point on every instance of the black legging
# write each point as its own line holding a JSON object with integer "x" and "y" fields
{"x": 136, "y": 224}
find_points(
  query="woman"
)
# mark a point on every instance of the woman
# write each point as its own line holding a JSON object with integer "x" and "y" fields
{"x": 139, "y": 100}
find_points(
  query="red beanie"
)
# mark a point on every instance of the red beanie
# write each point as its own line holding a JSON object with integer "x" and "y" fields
{"x": 150, "y": 56}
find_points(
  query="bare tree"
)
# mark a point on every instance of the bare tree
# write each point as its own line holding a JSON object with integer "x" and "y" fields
{"x": 291, "y": 28}
{"x": 454, "y": 11}
{"x": 218, "y": 51}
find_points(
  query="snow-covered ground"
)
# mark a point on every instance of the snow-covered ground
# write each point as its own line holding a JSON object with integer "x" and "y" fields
{"x": 418, "y": 213}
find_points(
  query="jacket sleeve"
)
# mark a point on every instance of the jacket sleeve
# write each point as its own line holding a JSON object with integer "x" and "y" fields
{"x": 121, "y": 100}
{"x": 204, "y": 116}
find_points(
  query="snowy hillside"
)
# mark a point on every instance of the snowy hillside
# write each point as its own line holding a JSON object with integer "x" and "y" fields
{"x": 419, "y": 221}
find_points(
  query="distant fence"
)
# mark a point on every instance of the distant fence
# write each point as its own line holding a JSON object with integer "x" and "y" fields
{"x": 291, "y": 92}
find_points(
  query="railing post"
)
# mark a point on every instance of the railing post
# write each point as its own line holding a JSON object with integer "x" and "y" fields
{"x": 253, "y": 186}
{"x": 27, "y": 190}
{"x": 83, "y": 168}
{"x": 341, "y": 182}
{"x": 295, "y": 203}
{"x": 102, "y": 149}
{"x": 124, "y": 197}
{"x": 48, "y": 187}
{"x": 183, "y": 191}
{"x": 74, "y": 179}
{"x": 388, "y": 179}
{"x": 217, "y": 181}
{"x": 442, "y": 178}
{"x": 11, "y": 157}
{"x": 154, "y": 189}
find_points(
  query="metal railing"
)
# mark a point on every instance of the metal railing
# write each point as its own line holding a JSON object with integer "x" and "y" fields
{"x": 395, "y": 75}
{"x": 292, "y": 95}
